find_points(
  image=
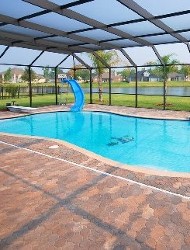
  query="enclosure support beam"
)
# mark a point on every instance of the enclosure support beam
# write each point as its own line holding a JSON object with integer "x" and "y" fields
{"x": 136, "y": 88}
{"x": 30, "y": 85}
{"x": 74, "y": 69}
{"x": 5, "y": 50}
{"x": 56, "y": 99}
{"x": 90, "y": 86}
{"x": 188, "y": 46}
{"x": 158, "y": 55}
{"x": 128, "y": 57}
{"x": 81, "y": 61}
{"x": 36, "y": 58}
{"x": 101, "y": 60}
{"x": 110, "y": 87}
{"x": 62, "y": 61}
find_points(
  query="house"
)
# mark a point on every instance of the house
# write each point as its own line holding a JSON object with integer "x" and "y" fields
{"x": 16, "y": 74}
{"x": 105, "y": 77}
{"x": 142, "y": 76}
{"x": 154, "y": 78}
{"x": 39, "y": 78}
{"x": 176, "y": 77}
{"x": 145, "y": 76}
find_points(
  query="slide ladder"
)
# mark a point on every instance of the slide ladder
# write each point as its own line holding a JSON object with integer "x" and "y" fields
{"x": 78, "y": 93}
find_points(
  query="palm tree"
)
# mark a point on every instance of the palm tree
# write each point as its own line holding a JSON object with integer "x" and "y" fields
{"x": 163, "y": 71}
{"x": 111, "y": 58}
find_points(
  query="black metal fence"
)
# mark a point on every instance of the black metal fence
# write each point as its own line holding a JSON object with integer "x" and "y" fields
{"x": 12, "y": 91}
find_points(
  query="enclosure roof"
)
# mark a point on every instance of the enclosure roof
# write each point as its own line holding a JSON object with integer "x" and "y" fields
{"x": 73, "y": 26}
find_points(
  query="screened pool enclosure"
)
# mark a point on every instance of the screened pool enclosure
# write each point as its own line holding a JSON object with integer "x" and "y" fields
{"x": 60, "y": 35}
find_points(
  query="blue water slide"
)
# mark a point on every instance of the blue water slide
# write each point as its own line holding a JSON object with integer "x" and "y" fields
{"x": 78, "y": 93}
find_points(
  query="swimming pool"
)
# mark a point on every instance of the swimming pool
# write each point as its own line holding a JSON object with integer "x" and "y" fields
{"x": 150, "y": 143}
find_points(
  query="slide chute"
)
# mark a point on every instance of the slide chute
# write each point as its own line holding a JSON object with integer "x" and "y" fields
{"x": 78, "y": 93}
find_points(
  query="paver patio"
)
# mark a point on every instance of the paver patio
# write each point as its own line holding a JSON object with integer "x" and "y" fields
{"x": 63, "y": 198}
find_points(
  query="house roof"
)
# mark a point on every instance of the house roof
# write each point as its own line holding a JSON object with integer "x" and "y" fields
{"x": 15, "y": 71}
{"x": 113, "y": 75}
{"x": 174, "y": 74}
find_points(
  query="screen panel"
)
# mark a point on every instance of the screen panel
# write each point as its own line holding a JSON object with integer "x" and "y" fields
{"x": 178, "y": 50}
{"x": 107, "y": 11}
{"x": 124, "y": 43}
{"x": 49, "y": 59}
{"x": 64, "y": 40}
{"x": 54, "y": 20}
{"x": 177, "y": 22}
{"x": 141, "y": 55}
{"x": 140, "y": 28}
{"x": 23, "y": 31}
{"x": 15, "y": 55}
{"x": 98, "y": 34}
{"x": 161, "y": 39}
{"x": 186, "y": 35}
{"x": 17, "y": 8}
{"x": 160, "y": 7}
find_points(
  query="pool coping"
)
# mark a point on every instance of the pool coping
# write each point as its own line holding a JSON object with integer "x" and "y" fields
{"x": 134, "y": 168}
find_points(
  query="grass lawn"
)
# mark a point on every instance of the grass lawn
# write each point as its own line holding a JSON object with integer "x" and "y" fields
{"x": 174, "y": 103}
{"x": 155, "y": 102}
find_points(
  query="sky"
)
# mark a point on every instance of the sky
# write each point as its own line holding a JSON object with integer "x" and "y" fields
{"x": 140, "y": 55}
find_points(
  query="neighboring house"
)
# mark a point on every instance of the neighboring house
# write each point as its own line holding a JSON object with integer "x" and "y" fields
{"x": 142, "y": 76}
{"x": 176, "y": 77}
{"x": 40, "y": 79}
{"x": 105, "y": 77}
{"x": 16, "y": 74}
{"x": 154, "y": 78}
{"x": 145, "y": 76}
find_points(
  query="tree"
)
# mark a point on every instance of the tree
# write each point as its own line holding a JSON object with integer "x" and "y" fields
{"x": 25, "y": 76}
{"x": 7, "y": 75}
{"x": 111, "y": 58}
{"x": 164, "y": 71}
{"x": 185, "y": 69}
{"x": 168, "y": 67}
{"x": 80, "y": 73}
{"x": 52, "y": 72}
{"x": 46, "y": 73}
{"x": 49, "y": 73}
{"x": 125, "y": 74}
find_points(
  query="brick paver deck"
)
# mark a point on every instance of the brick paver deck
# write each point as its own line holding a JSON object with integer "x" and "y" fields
{"x": 63, "y": 198}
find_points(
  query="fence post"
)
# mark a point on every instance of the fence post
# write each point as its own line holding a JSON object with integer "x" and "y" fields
{"x": 110, "y": 87}
{"x": 164, "y": 90}
{"x": 90, "y": 86}
{"x": 56, "y": 98}
{"x": 30, "y": 86}
{"x": 136, "y": 88}
{"x": 18, "y": 91}
{"x": 2, "y": 92}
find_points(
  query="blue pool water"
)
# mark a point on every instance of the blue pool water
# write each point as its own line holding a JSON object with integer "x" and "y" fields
{"x": 151, "y": 143}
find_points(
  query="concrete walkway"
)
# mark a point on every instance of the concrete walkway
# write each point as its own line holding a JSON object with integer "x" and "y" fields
{"x": 62, "y": 198}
